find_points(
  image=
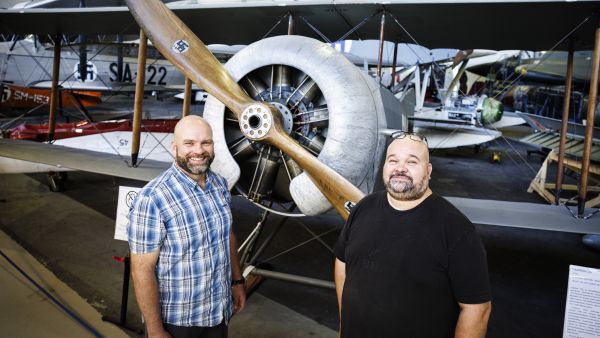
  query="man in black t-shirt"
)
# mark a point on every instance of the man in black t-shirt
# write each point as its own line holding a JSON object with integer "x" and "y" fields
{"x": 409, "y": 264}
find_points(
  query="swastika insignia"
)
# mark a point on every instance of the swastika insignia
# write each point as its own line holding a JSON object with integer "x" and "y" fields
{"x": 348, "y": 206}
{"x": 180, "y": 46}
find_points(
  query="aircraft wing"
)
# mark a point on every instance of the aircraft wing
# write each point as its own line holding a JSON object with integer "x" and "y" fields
{"x": 516, "y": 24}
{"x": 445, "y": 136}
{"x": 484, "y": 212}
{"x": 443, "y": 132}
{"x": 121, "y": 87}
{"x": 525, "y": 215}
{"x": 547, "y": 124}
{"x": 79, "y": 159}
{"x": 508, "y": 119}
{"x": 130, "y": 48}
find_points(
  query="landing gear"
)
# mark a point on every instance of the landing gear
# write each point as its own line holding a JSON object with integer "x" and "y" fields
{"x": 56, "y": 181}
{"x": 254, "y": 266}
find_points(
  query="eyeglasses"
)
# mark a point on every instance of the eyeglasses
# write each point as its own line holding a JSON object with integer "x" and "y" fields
{"x": 398, "y": 135}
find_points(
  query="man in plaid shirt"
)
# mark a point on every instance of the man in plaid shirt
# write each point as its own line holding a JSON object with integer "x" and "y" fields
{"x": 187, "y": 276}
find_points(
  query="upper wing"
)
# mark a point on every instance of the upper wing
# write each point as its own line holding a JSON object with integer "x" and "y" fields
{"x": 516, "y": 24}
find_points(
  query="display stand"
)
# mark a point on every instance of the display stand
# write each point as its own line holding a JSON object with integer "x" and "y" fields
{"x": 539, "y": 185}
{"x": 122, "y": 322}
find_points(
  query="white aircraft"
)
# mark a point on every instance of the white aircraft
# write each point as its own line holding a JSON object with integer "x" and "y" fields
{"x": 28, "y": 62}
{"x": 460, "y": 119}
{"x": 325, "y": 104}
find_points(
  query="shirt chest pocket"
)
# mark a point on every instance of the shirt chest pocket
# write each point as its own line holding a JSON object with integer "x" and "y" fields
{"x": 186, "y": 231}
{"x": 198, "y": 225}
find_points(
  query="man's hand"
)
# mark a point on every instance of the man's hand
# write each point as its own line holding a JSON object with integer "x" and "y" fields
{"x": 159, "y": 334}
{"x": 239, "y": 298}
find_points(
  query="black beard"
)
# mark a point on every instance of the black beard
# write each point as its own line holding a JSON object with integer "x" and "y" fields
{"x": 183, "y": 163}
{"x": 408, "y": 190}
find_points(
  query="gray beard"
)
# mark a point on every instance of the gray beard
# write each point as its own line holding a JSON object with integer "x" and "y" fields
{"x": 406, "y": 191}
{"x": 183, "y": 163}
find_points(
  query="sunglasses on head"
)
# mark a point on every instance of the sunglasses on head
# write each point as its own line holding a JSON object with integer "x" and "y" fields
{"x": 398, "y": 135}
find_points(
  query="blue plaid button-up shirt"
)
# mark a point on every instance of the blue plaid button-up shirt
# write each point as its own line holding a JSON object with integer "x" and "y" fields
{"x": 190, "y": 227}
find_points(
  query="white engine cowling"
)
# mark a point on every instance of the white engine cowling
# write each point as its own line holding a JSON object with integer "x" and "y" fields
{"x": 328, "y": 105}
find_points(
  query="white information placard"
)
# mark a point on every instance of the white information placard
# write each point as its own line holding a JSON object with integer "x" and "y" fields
{"x": 582, "y": 312}
{"x": 126, "y": 196}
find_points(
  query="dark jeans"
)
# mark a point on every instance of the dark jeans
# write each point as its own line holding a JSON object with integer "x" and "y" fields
{"x": 219, "y": 331}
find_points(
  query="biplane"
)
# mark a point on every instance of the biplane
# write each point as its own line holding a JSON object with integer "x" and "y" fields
{"x": 299, "y": 129}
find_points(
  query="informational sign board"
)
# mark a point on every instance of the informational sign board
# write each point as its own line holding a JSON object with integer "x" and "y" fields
{"x": 126, "y": 197}
{"x": 582, "y": 312}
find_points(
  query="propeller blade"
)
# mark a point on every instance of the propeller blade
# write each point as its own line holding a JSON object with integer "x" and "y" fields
{"x": 258, "y": 121}
{"x": 184, "y": 50}
{"x": 461, "y": 56}
{"x": 334, "y": 186}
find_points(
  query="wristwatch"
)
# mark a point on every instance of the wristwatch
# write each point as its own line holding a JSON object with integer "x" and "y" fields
{"x": 238, "y": 281}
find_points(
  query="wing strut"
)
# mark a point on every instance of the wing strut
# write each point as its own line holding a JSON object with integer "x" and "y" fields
{"x": 54, "y": 92}
{"x": 139, "y": 98}
{"x": 381, "y": 43}
{"x": 187, "y": 97}
{"x": 565, "y": 123}
{"x": 589, "y": 126}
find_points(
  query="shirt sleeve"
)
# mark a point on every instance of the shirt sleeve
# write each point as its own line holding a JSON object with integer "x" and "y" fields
{"x": 468, "y": 271}
{"x": 145, "y": 228}
{"x": 340, "y": 246}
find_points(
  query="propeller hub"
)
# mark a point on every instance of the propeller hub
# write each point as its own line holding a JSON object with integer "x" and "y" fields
{"x": 256, "y": 121}
{"x": 286, "y": 116}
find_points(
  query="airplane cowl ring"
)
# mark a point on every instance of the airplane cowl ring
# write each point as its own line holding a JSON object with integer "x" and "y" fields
{"x": 321, "y": 100}
{"x": 256, "y": 121}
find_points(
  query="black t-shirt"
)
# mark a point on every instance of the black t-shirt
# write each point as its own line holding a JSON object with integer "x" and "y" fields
{"x": 406, "y": 271}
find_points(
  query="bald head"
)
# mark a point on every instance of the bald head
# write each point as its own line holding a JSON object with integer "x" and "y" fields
{"x": 407, "y": 170}
{"x": 191, "y": 122}
{"x": 417, "y": 148}
{"x": 193, "y": 145}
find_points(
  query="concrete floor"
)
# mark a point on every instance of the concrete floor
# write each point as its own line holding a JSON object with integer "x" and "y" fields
{"x": 27, "y": 309}
{"x": 71, "y": 234}
{"x": 76, "y": 242}
{"x": 30, "y": 310}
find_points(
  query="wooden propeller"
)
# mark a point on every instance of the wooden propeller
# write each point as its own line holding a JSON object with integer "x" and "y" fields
{"x": 259, "y": 121}
{"x": 461, "y": 56}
